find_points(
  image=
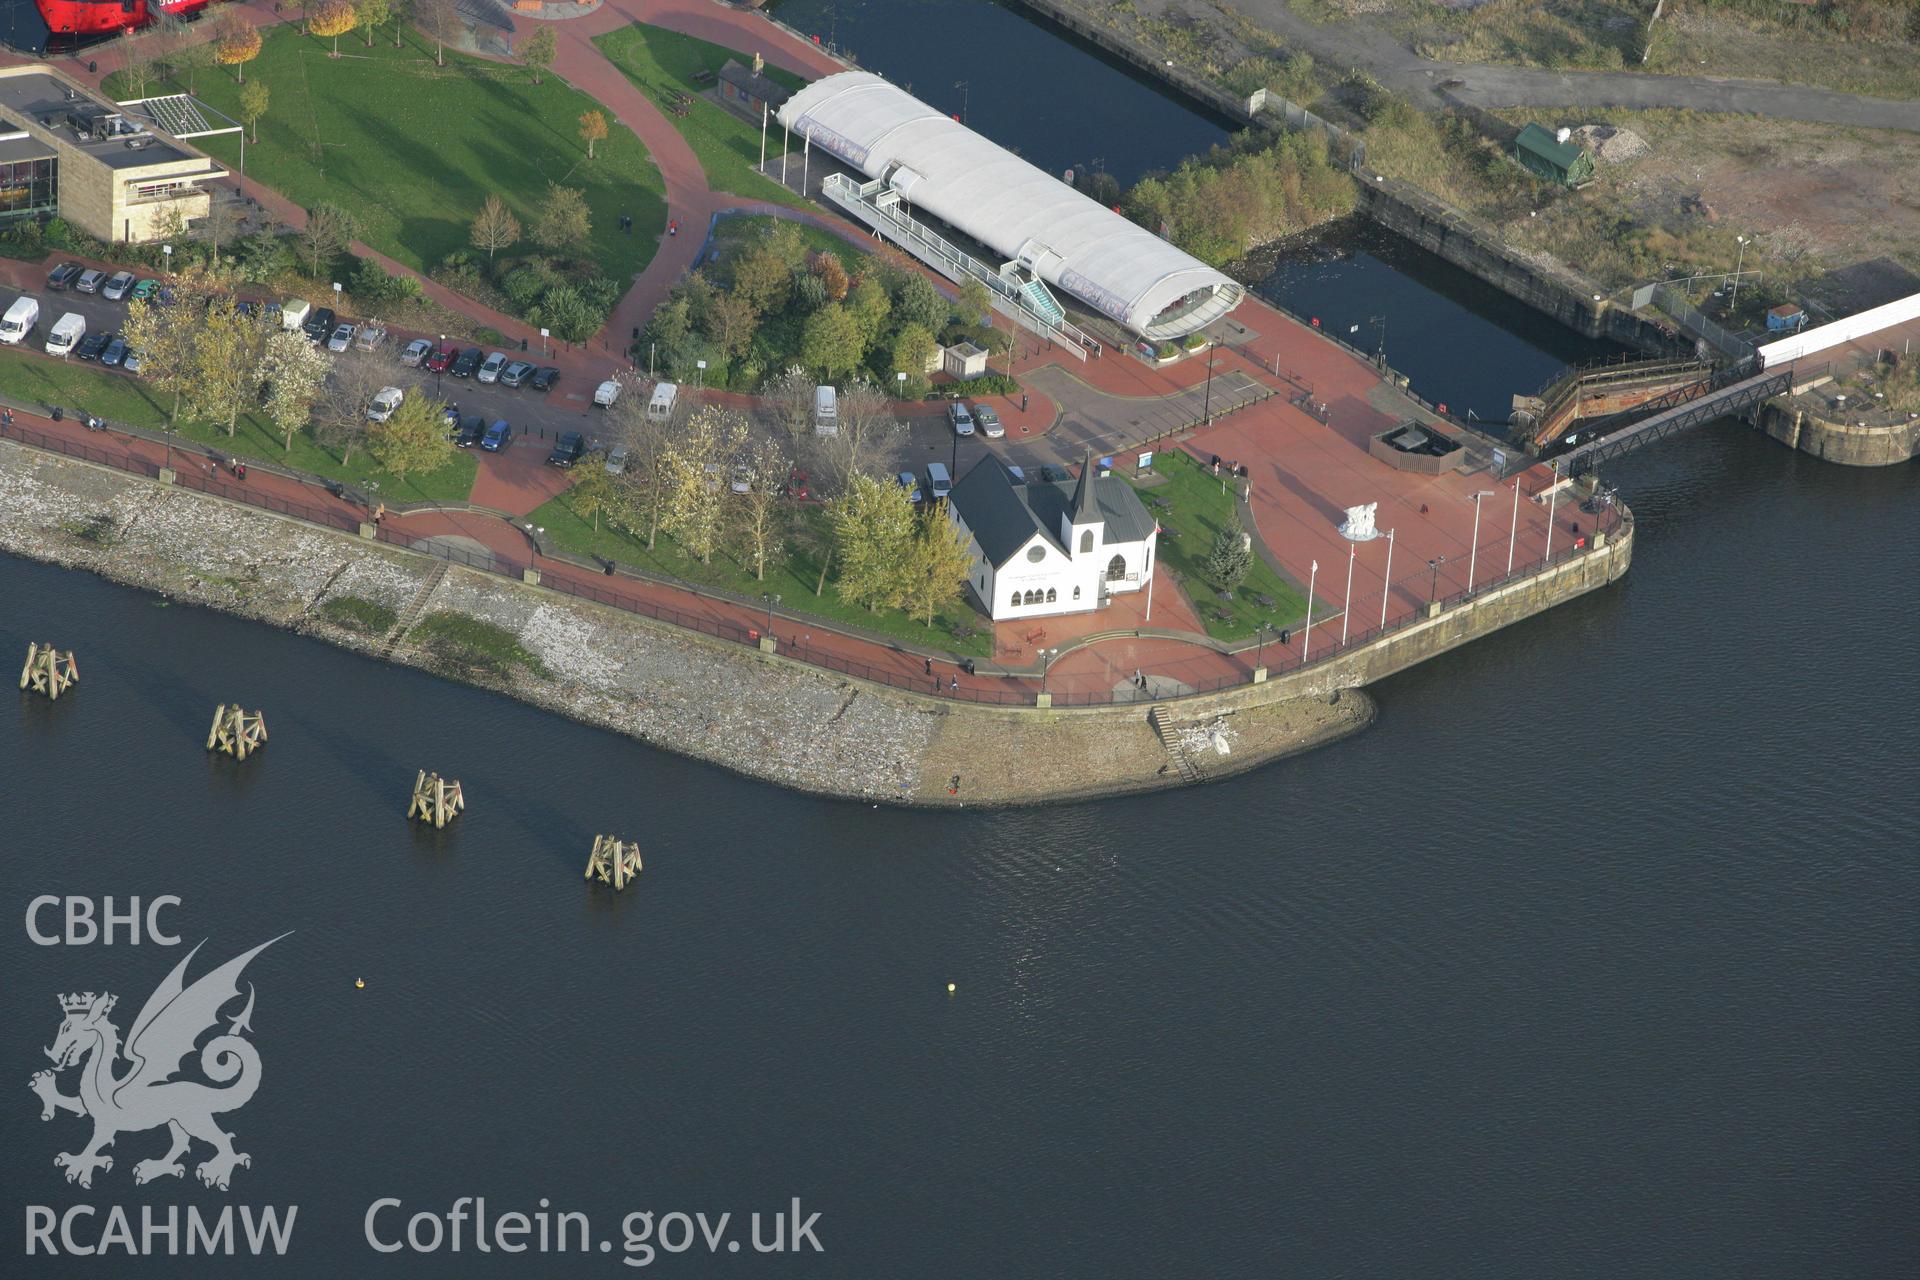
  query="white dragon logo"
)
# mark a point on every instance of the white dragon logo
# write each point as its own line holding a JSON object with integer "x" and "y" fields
{"x": 147, "y": 1096}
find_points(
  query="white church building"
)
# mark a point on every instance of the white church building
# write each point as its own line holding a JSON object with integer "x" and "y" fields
{"x": 1041, "y": 549}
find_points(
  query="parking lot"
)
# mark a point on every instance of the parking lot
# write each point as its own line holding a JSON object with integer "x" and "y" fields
{"x": 537, "y": 415}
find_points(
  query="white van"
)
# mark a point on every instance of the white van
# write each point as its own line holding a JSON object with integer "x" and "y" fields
{"x": 939, "y": 482}
{"x": 294, "y": 313}
{"x": 660, "y": 408}
{"x": 19, "y": 320}
{"x": 384, "y": 404}
{"x": 826, "y": 412}
{"x": 606, "y": 393}
{"x": 66, "y": 335}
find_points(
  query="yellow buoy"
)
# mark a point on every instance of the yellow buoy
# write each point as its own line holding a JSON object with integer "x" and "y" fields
{"x": 359, "y": 982}
{"x": 949, "y": 988}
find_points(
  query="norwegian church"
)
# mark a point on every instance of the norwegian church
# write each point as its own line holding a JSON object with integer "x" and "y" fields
{"x": 1040, "y": 549}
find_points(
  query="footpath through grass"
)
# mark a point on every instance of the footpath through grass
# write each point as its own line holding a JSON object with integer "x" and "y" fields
{"x": 118, "y": 397}
{"x": 412, "y": 150}
{"x": 1192, "y": 508}
{"x": 662, "y": 64}
{"x": 807, "y": 538}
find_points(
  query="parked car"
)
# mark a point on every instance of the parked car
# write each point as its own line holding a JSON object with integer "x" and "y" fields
{"x": 497, "y": 437}
{"x": 63, "y": 275}
{"x": 442, "y": 357}
{"x": 606, "y": 393}
{"x": 450, "y": 414}
{"x": 116, "y": 352}
{"x": 370, "y": 336}
{"x": 117, "y": 286}
{"x": 92, "y": 345}
{"x": 1050, "y": 474}
{"x": 90, "y": 280}
{"x": 384, "y": 403}
{"x": 911, "y": 483}
{"x": 342, "y": 338}
{"x": 544, "y": 380}
{"x": 319, "y": 324}
{"x": 568, "y": 450}
{"x": 960, "y": 419}
{"x": 742, "y": 480}
{"x": 466, "y": 362}
{"x": 472, "y": 427}
{"x": 415, "y": 352}
{"x": 144, "y": 291}
{"x": 163, "y": 296}
{"x": 270, "y": 315}
{"x": 617, "y": 461}
{"x": 516, "y": 373}
{"x": 988, "y": 420}
{"x": 131, "y": 361}
{"x": 797, "y": 485}
{"x": 246, "y": 308}
{"x": 490, "y": 368}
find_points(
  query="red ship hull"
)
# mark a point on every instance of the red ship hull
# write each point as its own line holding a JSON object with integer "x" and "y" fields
{"x": 92, "y": 17}
{"x": 81, "y": 19}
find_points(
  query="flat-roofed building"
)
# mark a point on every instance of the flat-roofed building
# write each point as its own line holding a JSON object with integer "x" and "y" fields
{"x": 113, "y": 175}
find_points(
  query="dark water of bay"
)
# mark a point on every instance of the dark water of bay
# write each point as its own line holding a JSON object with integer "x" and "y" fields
{"x": 1596, "y": 957}
{"x": 1029, "y": 86}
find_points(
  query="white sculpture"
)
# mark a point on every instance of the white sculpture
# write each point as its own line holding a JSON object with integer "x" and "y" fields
{"x": 1359, "y": 525}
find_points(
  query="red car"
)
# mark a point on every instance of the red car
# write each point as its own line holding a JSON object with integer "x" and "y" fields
{"x": 797, "y": 485}
{"x": 442, "y": 357}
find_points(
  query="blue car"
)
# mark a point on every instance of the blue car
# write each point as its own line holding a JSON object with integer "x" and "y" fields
{"x": 497, "y": 437}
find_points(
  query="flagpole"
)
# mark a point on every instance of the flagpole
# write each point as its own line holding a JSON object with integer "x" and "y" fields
{"x": 1386, "y": 584}
{"x": 1156, "y": 543}
{"x": 1306, "y": 636}
{"x": 1346, "y": 608}
{"x": 806, "y": 161}
{"x": 763, "y": 138}
{"x": 786, "y": 142}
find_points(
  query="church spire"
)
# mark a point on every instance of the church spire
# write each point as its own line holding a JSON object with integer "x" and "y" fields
{"x": 1085, "y": 509}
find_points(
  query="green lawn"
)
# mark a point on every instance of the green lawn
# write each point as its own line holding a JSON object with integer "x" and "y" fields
{"x": 118, "y": 397}
{"x": 793, "y": 581}
{"x": 412, "y": 150}
{"x": 1195, "y": 510}
{"x": 661, "y": 64}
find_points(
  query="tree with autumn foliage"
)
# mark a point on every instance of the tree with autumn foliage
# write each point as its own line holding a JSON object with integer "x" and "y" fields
{"x": 237, "y": 45}
{"x": 333, "y": 18}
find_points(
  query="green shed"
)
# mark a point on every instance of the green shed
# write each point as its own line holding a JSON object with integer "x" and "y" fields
{"x": 1545, "y": 155}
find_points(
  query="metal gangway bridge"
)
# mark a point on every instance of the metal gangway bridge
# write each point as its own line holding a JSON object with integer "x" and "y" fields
{"x": 1732, "y": 390}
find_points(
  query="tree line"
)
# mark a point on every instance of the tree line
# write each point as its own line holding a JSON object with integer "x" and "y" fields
{"x": 218, "y": 362}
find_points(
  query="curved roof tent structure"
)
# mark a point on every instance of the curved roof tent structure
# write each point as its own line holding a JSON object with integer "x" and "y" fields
{"x": 1117, "y": 268}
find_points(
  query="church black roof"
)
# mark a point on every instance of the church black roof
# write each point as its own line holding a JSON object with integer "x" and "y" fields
{"x": 1004, "y": 516}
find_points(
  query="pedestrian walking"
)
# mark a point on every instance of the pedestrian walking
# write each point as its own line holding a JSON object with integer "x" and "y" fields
{"x": 956, "y": 684}
{"x": 1023, "y": 402}
{"x": 929, "y": 666}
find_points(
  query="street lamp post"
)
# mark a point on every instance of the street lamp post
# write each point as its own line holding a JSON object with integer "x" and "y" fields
{"x": 1739, "y": 262}
{"x": 771, "y": 600}
{"x": 1046, "y": 662}
{"x": 1386, "y": 583}
{"x": 1261, "y": 631}
{"x": 1433, "y": 589}
{"x": 1513, "y": 529}
{"x": 1473, "y": 556}
{"x": 1207, "y": 413}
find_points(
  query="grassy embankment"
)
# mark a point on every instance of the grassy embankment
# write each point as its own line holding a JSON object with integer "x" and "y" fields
{"x": 662, "y": 65}
{"x": 412, "y": 150}
{"x": 1192, "y": 507}
{"x": 807, "y": 538}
